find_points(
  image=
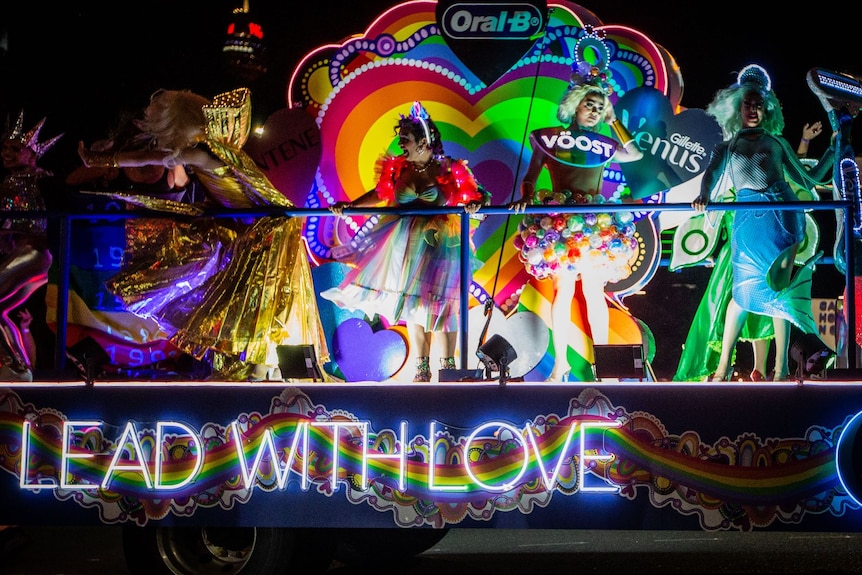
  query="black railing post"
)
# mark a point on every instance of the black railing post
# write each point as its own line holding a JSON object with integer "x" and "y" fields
{"x": 466, "y": 279}
{"x": 63, "y": 266}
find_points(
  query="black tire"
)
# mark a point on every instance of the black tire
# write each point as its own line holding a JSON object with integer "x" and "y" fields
{"x": 222, "y": 551}
{"x": 355, "y": 546}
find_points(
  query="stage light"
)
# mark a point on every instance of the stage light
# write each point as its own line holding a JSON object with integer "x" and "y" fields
{"x": 811, "y": 355}
{"x": 496, "y": 354}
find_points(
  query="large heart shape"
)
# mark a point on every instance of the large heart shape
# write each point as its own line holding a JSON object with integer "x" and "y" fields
{"x": 490, "y": 37}
{"x": 288, "y": 151}
{"x": 676, "y": 147}
{"x": 364, "y": 355}
{"x": 358, "y": 89}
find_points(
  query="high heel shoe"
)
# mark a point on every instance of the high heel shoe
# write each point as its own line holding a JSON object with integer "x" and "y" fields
{"x": 756, "y": 375}
{"x": 8, "y": 373}
{"x": 423, "y": 370}
{"x": 715, "y": 376}
{"x": 781, "y": 377}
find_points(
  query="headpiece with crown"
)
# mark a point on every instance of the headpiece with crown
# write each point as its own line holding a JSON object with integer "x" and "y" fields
{"x": 592, "y": 57}
{"x": 30, "y": 138}
{"x": 756, "y": 75}
{"x": 418, "y": 113}
{"x": 229, "y": 117}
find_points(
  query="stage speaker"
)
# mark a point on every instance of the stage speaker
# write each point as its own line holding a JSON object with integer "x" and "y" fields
{"x": 812, "y": 356}
{"x": 496, "y": 354}
{"x": 298, "y": 362}
{"x": 619, "y": 362}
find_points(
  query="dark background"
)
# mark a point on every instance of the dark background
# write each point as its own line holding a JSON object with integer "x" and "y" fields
{"x": 82, "y": 64}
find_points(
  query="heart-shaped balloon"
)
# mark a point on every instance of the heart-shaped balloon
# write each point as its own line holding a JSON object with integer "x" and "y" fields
{"x": 288, "y": 151}
{"x": 364, "y": 355}
{"x": 490, "y": 37}
{"x": 676, "y": 147}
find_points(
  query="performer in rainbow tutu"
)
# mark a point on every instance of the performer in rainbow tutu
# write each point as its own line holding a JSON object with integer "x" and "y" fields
{"x": 595, "y": 248}
{"x": 408, "y": 268}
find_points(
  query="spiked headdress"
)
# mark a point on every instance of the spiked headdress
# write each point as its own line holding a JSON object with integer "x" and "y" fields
{"x": 229, "y": 117}
{"x": 30, "y": 138}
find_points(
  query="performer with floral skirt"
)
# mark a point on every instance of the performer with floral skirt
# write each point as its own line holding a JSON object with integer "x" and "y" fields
{"x": 594, "y": 248}
{"x": 408, "y": 268}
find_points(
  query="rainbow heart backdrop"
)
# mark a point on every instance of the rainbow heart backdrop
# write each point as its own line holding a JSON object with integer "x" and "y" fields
{"x": 356, "y": 90}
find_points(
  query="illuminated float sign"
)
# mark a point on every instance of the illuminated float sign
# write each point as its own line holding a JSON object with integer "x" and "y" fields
{"x": 576, "y": 147}
{"x": 425, "y": 466}
{"x": 677, "y": 149}
{"x": 490, "y": 38}
{"x": 492, "y": 21}
{"x": 129, "y": 465}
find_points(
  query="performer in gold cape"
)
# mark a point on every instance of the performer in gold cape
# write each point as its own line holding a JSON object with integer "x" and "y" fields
{"x": 261, "y": 294}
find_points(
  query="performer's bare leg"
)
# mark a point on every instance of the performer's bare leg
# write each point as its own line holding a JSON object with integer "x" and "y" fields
{"x": 598, "y": 314}
{"x": 421, "y": 346}
{"x": 421, "y": 341}
{"x": 761, "y": 354}
{"x": 780, "y": 277}
{"x": 561, "y": 321}
{"x": 782, "y": 344}
{"x": 450, "y": 341}
{"x": 22, "y": 272}
{"x": 733, "y": 321}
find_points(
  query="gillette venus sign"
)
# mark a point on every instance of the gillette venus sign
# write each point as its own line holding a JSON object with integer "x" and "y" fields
{"x": 491, "y": 21}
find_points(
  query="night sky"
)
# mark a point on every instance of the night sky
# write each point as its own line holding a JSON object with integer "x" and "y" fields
{"x": 81, "y": 65}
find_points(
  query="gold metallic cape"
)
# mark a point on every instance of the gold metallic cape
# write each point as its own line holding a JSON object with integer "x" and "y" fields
{"x": 262, "y": 295}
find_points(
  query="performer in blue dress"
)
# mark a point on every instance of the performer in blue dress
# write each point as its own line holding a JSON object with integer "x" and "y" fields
{"x": 702, "y": 348}
{"x": 754, "y": 164}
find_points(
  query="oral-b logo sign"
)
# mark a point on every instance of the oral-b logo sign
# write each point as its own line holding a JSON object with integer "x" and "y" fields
{"x": 491, "y": 21}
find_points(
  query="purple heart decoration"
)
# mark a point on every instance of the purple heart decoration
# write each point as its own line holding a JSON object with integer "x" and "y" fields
{"x": 676, "y": 147}
{"x": 490, "y": 37}
{"x": 288, "y": 152}
{"x": 363, "y": 355}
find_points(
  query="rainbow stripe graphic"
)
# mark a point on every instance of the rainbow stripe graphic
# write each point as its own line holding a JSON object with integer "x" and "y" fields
{"x": 436, "y": 479}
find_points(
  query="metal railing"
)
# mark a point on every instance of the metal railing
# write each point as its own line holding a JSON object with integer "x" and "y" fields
{"x": 67, "y": 218}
